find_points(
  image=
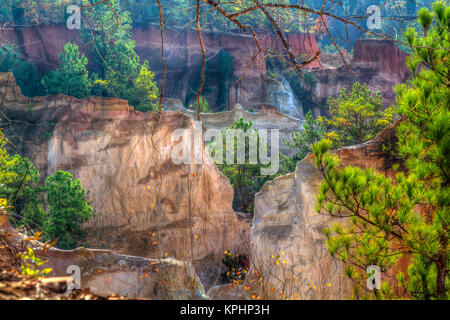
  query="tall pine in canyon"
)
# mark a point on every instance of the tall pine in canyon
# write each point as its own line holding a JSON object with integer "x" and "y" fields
{"x": 71, "y": 78}
{"x": 409, "y": 215}
{"x": 121, "y": 73}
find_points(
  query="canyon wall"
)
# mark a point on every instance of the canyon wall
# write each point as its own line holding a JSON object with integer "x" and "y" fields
{"x": 144, "y": 203}
{"x": 42, "y": 45}
{"x": 184, "y": 56}
{"x": 266, "y": 118}
{"x": 105, "y": 272}
{"x": 286, "y": 228}
{"x": 378, "y": 63}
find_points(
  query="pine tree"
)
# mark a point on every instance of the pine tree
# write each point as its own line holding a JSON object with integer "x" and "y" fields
{"x": 72, "y": 77}
{"x": 246, "y": 177}
{"x": 357, "y": 116}
{"x": 67, "y": 210}
{"x": 65, "y": 199}
{"x": 409, "y": 214}
{"x": 147, "y": 91}
{"x": 122, "y": 74}
{"x": 27, "y": 76}
{"x": 204, "y": 105}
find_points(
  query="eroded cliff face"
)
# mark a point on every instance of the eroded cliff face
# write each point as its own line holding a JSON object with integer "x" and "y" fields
{"x": 144, "y": 203}
{"x": 266, "y": 118}
{"x": 107, "y": 272}
{"x": 184, "y": 56}
{"x": 378, "y": 63}
{"x": 286, "y": 228}
{"x": 42, "y": 45}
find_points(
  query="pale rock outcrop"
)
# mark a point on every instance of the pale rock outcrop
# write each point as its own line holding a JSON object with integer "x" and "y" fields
{"x": 266, "y": 118}
{"x": 286, "y": 228}
{"x": 228, "y": 292}
{"x": 144, "y": 203}
{"x": 106, "y": 272}
{"x": 279, "y": 93}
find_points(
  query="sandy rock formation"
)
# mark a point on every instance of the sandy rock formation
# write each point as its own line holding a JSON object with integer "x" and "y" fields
{"x": 287, "y": 228}
{"x": 106, "y": 272}
{"x": 228, "y": 292}
{"x": 334, "y": 60}
{"x": 267, "y": 118}
{"x": 378, "y": 63}
{"x": 183, "y": 55}
{"x": 144, "y": 203}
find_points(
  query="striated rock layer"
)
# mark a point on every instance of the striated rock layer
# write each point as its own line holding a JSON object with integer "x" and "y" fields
{"x": 287, "y": 228}
{"x": 42, "y": 44}
{"x": 107, "y": 273}
{"x": 378, "y": 63}
{"x": 144, "y": 203}
{"x": 267, "y": 118}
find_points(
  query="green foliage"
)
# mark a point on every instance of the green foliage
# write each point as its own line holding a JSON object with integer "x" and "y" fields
{"x": 65, "y": 199}
{"x": 357, "y": 116}
{"x": 177, "y": 13}
{"x": 397, "y": 27}
{"x": 27, "y": 76}
{"x": 204, "y": 106}
{"x": 310, "y": 80}
{"x": 245, "y": 178}
{"x": 33, "y": 213}
{"x": 104, "y": 25}
{"x": 67, "y": 209}
{"x": 146, "y": 89}
{"x": 18, "y": 180}
{"x": 122, "y": 75}
{"x": 311, "y": 132}
{"x": 410, "y": 213}
{"x": 72, "y": 77}
{"x": 327, "y": 48}
{"x": 31, "y": 264}
{"x": 33, "y": 12}
{"x": 121, "y": 70}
